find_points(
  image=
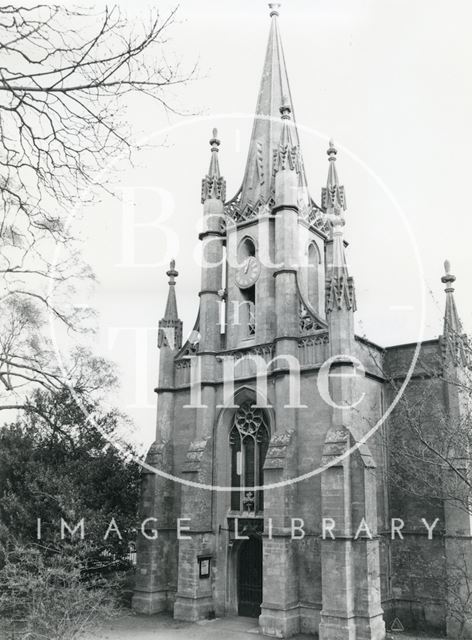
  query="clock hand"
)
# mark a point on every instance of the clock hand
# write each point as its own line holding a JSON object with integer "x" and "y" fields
{"x": 247, "y": 266}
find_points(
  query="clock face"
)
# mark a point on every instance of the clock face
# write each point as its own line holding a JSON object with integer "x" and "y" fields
{"x": 248, "y": 273}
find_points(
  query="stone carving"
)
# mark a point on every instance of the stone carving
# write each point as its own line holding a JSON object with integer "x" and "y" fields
{"x": 278, "y": 450}
{"x": 311, "y": 212}
{"x": 249, "y": 501}
{"x": 340, "y": 292}
{"x": 333, "y": 196}
{"x": 189, "y": 350}
{"x": 194, "y": 456}
{"x": 308, "y": 322}
{"x": 314, "y": 216}
{"x": 213, "y": 184}
{"x": 190, "y": 347}
{"x": 155, "y": 455}
{"x": 249, "y": 421}
{"x": 286, "y": 156}
{"x": 264, "y": 350}
{"x": 169, "y": 334}
{"x": 213, "y": 187}
{"x": 314, "y": 340}
{"x": 260, "y": 162}
{"x": 182, "y": 364}
{"x": 233, "y": 205}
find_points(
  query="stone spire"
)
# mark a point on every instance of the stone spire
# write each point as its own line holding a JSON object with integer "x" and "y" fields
{"x": 170, "y": 327}
{"x": 451, "y": 317}
{"x": 339, "y": 284}
{"x": 453, "y": 338}
{"x": 333, "y": 199}
{"x": 274, "y": 90}
{"x": 213, "y": 184}
{"x": 171, "y": 306}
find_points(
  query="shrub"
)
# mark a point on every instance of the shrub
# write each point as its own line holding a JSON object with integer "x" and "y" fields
{"x": 46, "y": 595}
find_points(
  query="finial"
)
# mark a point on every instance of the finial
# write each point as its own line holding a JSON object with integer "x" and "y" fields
{"x": 213, "y": 184}
{"x": 332, "y": 151}
{"x": 285, "y": 108}
{"x": 333, "y": 199}
{"x": 274, "y": 8}
{"x": 214, "y": 142}
{"x": 448, "y": 278}
{"x": 172, "y": 273}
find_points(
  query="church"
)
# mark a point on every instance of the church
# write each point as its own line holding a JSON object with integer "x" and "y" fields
{"x": 268, "y": 492}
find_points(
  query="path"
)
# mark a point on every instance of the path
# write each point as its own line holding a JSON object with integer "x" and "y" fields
{"x": 163, "y": 627}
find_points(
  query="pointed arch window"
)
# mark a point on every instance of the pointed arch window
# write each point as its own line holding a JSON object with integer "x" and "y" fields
{"x": 249, "y": 441}
{"x": 246, "y": 251}
{"x": 249, "y": 312}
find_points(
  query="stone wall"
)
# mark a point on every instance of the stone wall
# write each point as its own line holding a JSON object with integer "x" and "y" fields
{"x": 292, "y": 568}
{"x": 418, "y": 565}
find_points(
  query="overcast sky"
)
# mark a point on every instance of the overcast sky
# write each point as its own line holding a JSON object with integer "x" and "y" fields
{"x": 389, "y": 81}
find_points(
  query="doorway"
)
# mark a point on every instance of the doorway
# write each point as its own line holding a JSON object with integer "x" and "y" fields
{"x": 250, "y": 578}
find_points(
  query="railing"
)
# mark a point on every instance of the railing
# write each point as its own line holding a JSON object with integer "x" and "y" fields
{"x": 245, "y": 363}
{"x": 246, "y": 360}
{"x": 312, "y": 350}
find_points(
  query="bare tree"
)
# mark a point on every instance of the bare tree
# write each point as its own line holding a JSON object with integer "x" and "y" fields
{"x": 429, "y": 470}
{"x": 430, "y": 439}
{"x": 65, "y": 76}
{"x": 458, "y": 588}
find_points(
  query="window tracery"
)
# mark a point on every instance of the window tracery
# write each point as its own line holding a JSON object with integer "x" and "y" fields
{"x": 249, "y": 441}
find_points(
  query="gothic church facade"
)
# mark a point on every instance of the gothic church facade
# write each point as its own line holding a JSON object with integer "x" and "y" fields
{"x": 264, "y": 455}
